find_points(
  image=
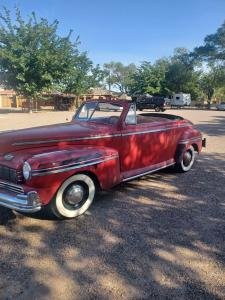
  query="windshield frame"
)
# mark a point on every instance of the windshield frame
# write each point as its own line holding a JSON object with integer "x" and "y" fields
{"x": 97, "y": 102}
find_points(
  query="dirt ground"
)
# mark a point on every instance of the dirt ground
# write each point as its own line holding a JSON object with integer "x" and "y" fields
{"x": 162, "y": 236}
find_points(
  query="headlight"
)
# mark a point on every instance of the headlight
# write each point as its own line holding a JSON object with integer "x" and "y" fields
{"x": 26, "y": 170}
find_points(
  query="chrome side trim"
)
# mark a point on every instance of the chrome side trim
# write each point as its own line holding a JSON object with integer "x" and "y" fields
{"x": 75, "y": 163}
{"x": 190, "y": 140}
{"x": 48, "y": 153}
{"x": 65, "y": 140}
{"x": 96, "y": 136}
{"x": 149, "y": 172}
{"x": 153, "y": 131}
{"x": 44, "y": 172}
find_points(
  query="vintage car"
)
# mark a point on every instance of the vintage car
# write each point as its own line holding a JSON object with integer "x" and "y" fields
{"x": 60, "y": 167}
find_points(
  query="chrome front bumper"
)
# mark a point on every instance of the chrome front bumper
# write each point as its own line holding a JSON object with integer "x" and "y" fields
{"x": 29, "y": 202}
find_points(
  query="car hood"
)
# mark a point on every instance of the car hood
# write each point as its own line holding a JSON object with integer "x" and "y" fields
{"x": 52, "y": 135}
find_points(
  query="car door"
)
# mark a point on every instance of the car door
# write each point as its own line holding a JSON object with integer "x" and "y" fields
{"x": 146, "y": 146}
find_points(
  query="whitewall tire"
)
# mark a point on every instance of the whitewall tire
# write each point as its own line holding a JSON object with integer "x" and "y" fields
{"x": 74, "y": 196}
{"x": 187, "y": 161}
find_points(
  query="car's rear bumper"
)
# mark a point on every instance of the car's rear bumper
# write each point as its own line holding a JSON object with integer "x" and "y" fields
{"x": 29, "y": 202}
{"x": 204, "y": 142}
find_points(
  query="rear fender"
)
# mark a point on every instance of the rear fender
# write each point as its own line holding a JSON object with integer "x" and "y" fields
{"x": 190, "y": 137}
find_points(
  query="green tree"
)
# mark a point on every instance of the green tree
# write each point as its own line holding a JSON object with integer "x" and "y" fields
{"x": 119, "y": 75}
{"x": 220, "y": 93}
{"x": 96, "y": 77}
{"x": 214, "y": 47}
{"x": 211, "y": 81}
{"x": 167, "y": 76}
{"x": 213, "y": 53}
{"x": 33, "y": 57}
{"x": 82, "y": 76}
{"x": 149, "y": 78}
{"x": 182, "y": 74}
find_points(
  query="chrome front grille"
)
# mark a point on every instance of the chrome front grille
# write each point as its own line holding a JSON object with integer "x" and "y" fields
{"x": 11, "y": 187}
{"x": 11, "y": 175}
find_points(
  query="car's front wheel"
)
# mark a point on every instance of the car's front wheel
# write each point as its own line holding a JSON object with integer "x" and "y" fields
{"x": 187, "y": 161}
{"x": 74, "y": 197}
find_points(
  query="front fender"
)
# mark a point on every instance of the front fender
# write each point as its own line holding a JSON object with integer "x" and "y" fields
{"x": 51, "y": 169}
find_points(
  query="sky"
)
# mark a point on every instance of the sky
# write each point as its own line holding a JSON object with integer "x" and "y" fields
{"x": 130, "y": 31}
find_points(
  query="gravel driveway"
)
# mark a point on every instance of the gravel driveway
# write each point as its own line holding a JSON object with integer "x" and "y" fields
{"x": 162, "y": 236}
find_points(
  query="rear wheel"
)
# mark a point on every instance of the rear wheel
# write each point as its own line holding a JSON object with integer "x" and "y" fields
{"x": 157, "y": 109}
{"x": 74, "y": 197}
{"x": 187, "y": 160}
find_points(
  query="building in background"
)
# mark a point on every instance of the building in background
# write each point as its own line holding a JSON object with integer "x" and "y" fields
{"x": 7, "y": 98}
{"x": 101, "y": 93}
{"x": 56, "y": 101}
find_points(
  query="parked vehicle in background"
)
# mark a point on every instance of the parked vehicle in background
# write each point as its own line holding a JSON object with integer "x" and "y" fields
{"x": 149, "y": 102}
{"x": 221, "y": 106}
{"x": 60, "y": 167}
{"x": 180, "y": 100}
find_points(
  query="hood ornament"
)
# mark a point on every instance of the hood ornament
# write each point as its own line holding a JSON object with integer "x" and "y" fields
{"x": 8, "y": 156}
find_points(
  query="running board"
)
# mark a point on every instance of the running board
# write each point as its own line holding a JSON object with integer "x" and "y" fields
{"x": 148, "y": 170}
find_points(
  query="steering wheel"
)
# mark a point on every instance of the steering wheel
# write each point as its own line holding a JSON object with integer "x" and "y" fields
{"x": 113, "y": 119}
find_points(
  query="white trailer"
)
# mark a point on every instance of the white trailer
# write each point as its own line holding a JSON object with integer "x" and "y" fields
{"x": 180, "y": 100}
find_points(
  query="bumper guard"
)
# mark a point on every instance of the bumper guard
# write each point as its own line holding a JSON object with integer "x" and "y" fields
{"x": 204, "y": 142}
{"x": 29, "y": 202}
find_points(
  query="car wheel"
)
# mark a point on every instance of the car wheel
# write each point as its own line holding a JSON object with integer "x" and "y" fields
{"x": 157, "y": 109}
{"x": 187, "y": 160}
{"x": 74, "y": 197}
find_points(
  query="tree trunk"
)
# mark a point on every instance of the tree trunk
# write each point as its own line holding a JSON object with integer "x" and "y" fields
{"x": 209, "y": 102}
{"x": 76, "y": 101}
{"x": 31, "y": 105}
{"x": 210, "y": 95}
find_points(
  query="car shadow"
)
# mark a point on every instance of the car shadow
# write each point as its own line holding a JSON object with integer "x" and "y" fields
{"x": 7, "y": 215}
{"x": 149, "y": 238}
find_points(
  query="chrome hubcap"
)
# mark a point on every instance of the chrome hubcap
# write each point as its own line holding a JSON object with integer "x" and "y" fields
{"x": 187, "y": 158}
{"x": 74, "y": 195}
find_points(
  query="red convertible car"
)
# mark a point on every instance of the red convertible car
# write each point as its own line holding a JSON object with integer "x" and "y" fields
{"x": 60, "y": 167}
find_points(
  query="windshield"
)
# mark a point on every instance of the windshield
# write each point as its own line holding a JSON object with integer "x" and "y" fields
{"x": 99, "y": 112}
